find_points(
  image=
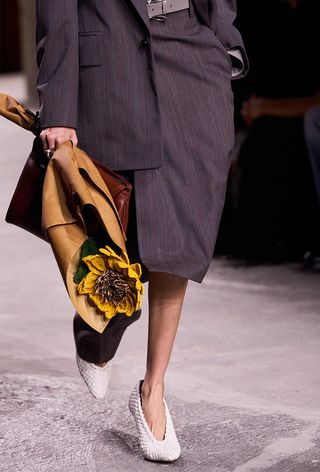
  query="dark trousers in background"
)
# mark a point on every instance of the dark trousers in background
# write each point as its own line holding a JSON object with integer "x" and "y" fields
{"x": 312, "y": 135}
{"x": 101, "y": 347}
{"x": 277, "y": 217}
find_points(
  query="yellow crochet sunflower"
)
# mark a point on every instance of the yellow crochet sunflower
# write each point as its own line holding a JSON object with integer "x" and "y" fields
{"x": 112, "y": 283}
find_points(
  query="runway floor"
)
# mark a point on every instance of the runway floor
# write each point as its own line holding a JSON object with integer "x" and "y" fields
{"x": 243, "y": 384}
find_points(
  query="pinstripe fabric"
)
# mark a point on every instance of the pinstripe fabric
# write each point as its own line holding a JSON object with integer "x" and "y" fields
{"x": 179, "y": 205}
{"x": 163, "y": 110}
{"x": 95, "y": 75}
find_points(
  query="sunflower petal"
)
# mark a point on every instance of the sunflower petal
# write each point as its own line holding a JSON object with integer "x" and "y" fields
{"x": 136, "y": 268}
{"x": 125, "y": 257}
{"x": 108, "y": 309}
{"x": 110, "y": 312}
{"x": 108, "y": 251}
{"x": 87, "y": 284}
{"x": 95, "y": 263}
{"x": 133, "y": 271}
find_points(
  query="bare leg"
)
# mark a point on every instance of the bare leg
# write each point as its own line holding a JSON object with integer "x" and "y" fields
{"x": 166, "y": 295}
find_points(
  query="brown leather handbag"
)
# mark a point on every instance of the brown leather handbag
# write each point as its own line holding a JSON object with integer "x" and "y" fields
{"x": 25, "y": 208}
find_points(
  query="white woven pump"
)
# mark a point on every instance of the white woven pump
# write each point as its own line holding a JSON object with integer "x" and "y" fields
{"x": 96, "y": 378}
{"x": 166, "y": 450}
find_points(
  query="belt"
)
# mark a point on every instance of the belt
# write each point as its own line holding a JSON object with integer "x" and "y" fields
{"x": 161, "y": 7}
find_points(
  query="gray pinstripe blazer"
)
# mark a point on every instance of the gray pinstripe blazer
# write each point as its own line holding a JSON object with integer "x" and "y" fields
{"x": 96, "y": 74}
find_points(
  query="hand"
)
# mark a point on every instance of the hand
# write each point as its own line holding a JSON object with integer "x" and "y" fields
{"x": 253, "y": 109}
{"x": 50, "y": 137}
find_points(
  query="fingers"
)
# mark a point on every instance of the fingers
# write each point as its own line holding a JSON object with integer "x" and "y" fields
{"x": 51, "y": 140}
{"x": 51, "y": 137}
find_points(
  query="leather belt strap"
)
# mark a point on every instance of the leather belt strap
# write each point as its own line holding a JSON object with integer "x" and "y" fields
{"x": 161, "y": 7}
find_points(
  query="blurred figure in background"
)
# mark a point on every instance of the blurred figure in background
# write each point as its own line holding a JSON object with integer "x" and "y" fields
{"x": 312, "y": 136}
{"x": 277, "y": 218}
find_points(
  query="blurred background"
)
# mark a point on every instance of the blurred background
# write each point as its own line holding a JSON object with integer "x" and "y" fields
{"x": 272, "y": 210}
{"x": 17, "y": 49}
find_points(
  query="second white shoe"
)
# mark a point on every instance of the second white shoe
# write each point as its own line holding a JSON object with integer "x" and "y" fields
{"x": 166, "y": 450}
{"x": 96, "y": 378}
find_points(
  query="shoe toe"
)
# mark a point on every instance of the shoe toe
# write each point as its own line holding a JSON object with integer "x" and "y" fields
{"x": 96, "y": 378}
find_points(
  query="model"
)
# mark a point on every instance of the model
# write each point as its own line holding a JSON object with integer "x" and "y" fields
{"x": 146, "y": 89}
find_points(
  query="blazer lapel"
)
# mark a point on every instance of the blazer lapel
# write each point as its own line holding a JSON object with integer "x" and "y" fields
{"x": 141, "y": 8}
{"x": 202, "y": 7}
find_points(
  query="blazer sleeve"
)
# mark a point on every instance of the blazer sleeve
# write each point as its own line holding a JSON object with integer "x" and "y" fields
{"x": 222, "y": 16}
{"x": 57, "y": 59}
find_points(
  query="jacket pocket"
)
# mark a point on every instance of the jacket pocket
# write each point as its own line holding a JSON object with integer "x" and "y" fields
{"x": 90, "y": 48}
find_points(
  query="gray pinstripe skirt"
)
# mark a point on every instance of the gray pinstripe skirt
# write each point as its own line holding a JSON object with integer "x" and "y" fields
{"x": 177, "y": 208}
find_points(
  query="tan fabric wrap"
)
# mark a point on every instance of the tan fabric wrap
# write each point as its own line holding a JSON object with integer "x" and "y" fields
{"x": 61, "y": 220}
{"x": 64, "y": 227}
{"x": 16, "y": 112}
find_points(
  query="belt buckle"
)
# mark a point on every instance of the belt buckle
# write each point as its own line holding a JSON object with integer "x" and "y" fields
{"x": 158, "y": 8}
{"x": 170, "y": 6}
{"x": 155, "y": 10}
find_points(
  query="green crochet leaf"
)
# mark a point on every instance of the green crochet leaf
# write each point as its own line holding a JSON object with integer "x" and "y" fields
{"x": 89, "y": 248}
{"x": 81, "y": 273}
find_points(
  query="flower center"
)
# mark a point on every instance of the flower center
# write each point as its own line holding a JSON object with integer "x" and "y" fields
{"x": 111, "y": 286}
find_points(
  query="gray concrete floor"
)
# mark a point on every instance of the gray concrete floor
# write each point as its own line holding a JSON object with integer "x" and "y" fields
{"x": 243, "y": 384}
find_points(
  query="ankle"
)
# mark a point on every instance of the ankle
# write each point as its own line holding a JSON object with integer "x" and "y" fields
{"x": 152, "y": 387}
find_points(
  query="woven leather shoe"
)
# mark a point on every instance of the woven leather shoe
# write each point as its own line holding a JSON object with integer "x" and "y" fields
{"x": 166, "y": 450}
{"x": 96, "y": 378}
